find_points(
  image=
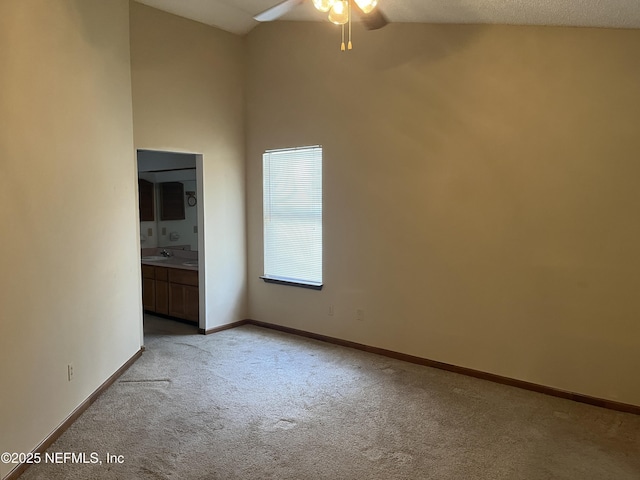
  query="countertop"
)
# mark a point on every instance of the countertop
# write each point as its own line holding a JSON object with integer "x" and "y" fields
{"x": 174, "y": 261}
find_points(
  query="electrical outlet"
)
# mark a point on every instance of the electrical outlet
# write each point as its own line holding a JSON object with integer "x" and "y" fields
{"x": 331, "y": 310}
{"x": 360, "y": 315}
{"x": 70, "y": 371}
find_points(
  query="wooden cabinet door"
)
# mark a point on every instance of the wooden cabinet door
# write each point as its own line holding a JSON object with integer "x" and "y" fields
{"x": 162, "y": 297}
{"x": 183, "y": 301}
{"x": 176, "y": 300}
{"x": 172, "y": 201}
{"x": 145, "y": 192}
{"x": 191, "y": 303}
{"x": 149, "y": 294}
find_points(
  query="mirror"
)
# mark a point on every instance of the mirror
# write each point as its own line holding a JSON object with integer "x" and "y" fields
{"x": 168, "y": 200}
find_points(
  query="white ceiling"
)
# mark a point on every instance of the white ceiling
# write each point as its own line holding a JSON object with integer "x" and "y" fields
{"x": 236, "y": 16}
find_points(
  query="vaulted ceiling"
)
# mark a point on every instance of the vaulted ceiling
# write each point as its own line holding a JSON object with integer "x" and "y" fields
{"x": 236, "y": 16}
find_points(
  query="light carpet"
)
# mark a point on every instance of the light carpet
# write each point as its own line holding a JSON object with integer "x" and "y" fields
{"x": 251, "y": 403}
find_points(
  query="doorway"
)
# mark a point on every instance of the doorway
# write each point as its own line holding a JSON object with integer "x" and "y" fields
{"x": 172, "y": 236}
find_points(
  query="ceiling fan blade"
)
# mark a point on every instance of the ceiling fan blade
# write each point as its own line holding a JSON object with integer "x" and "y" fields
{"x": 372, "y": 20}
{"x": 276, "y": 12}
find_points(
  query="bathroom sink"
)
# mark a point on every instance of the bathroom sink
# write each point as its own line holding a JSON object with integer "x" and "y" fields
{"x": 155, "y": 258}
{"x": 191, "y": 264}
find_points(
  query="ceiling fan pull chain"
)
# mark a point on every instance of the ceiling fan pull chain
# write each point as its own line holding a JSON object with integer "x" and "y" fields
{"x": 342, "y": 46}
{"x": 350, "y": 45}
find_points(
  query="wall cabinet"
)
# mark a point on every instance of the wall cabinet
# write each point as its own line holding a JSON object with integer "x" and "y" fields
{"x": 172, "y": 201}
{"x": 145, "y": 200}
{"x": 171, "y": 291}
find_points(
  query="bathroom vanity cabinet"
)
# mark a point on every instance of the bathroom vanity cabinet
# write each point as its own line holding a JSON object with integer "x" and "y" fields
{"x": 170, "y": 291}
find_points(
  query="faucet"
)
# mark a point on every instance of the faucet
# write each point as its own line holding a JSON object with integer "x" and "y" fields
{"x": 165, "y": 253}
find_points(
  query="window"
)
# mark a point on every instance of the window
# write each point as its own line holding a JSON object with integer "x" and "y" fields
{"x": 292, "y": 216}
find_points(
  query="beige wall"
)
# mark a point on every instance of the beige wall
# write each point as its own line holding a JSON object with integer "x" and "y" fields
{"x": 480, "y": 193}
{"x": 480, "y": 200}
{"x": 187, "y": 97}
{"x": 69, "y": 266}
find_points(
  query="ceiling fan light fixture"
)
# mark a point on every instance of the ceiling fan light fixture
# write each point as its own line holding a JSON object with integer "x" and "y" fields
{"x": 339, "y": 13}
{"x": 366, "y": 6}
{"x": 323, "y": 5}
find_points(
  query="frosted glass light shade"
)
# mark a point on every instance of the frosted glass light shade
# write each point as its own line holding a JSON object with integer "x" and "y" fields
{"x": 339, "y": 13}
{"x": 323, "y": 5}
{"x": 367, "y": 6}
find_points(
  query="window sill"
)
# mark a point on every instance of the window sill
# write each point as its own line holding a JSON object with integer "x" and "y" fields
{"x": 292, "y": 283}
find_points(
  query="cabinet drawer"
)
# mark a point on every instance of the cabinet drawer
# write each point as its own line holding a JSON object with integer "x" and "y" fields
{"x": 161, "y": 273}
{"x": 148, "y": 271}
{"x": 184, "y": 277}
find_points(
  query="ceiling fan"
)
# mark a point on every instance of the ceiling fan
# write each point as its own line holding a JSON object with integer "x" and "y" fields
{"x": 339, "y": 12}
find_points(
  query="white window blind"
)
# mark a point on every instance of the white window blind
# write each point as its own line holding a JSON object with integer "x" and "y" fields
{"x": 292, "y": 207}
